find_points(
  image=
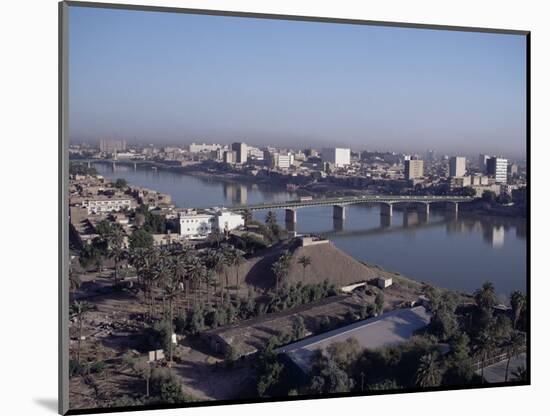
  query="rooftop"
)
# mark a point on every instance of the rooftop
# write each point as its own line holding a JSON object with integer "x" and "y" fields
{"x": 387, "y": 329}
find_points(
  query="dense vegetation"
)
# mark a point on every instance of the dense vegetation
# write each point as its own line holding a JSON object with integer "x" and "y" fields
{"x": 459, "y": 339}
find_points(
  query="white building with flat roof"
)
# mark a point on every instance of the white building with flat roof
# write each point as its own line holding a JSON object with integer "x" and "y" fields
{"x": 457, "y": 166}
{"x": 102, "y": 205}
{"x": 336, "y": 156}
{"x": 282, "y": 160}
{"x": 241, "y": 151}
{"x": 390, "y": 328}
{"x": 498, "y": 168}
{"x": 195, "y": 225}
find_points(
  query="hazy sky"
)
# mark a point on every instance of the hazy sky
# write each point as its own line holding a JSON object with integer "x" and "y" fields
{"x": 176, "y": 78}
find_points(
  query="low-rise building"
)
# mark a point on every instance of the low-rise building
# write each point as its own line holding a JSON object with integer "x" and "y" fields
{"x": 390, "y": 328}
{"x": 197, "y": 225}
{"x": 100, "y": 205}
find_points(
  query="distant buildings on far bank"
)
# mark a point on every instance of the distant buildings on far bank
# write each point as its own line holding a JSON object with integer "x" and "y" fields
{"x": 414, "y": 169}
{"x": 337, "y": 156}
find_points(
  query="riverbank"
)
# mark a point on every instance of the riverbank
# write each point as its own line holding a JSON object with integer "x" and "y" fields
{"x": 459, "y": 252}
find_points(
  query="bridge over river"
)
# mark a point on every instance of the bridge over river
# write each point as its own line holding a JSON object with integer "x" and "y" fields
{"x": 339, "y": 204}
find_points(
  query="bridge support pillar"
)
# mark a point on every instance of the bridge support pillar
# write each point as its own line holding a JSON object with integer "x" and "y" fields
{"x": 290, "y": 215}
{"x": 424, "y": 209}
{"x": 386, "y": 210}
{"x": 339, "y": 212}
{"x": 451, "y": 206}
{"x": 424, "y": 212}
{"x": 385, "y": 221}
{"x": 338, "y": 224}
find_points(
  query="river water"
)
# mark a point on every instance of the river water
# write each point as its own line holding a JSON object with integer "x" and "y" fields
{"x": 452, "y": 251}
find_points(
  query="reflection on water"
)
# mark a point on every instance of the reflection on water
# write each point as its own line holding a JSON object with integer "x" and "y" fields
{"x": 449, "y": 249}
{"x": 236, "y": 193}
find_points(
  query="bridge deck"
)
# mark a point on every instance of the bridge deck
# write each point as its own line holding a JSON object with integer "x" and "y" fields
{"x": 385, "y": 199}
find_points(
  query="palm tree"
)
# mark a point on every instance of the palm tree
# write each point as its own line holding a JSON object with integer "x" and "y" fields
{"x": 280, "y": 268}
{"x": 305, "y": 261}
{"x": 247, "y": 216}
{"x": 485, "y": 297}
{"x": 428, "y": 373}
{"x": 227, "y": 262}
{"x": 513, "y": 347}
{"x": 485, "y": 347}
{"x": 271, "y": 218}
{"x": 171, "y": 281}
{"x": 195, "y": 271}
{"x": 112, "y": 235}
{"x": 238, "y": 260}
{"x": 517, "y": 302}
{"x": 78, "y": 309}
{"x": 215, "y": 237}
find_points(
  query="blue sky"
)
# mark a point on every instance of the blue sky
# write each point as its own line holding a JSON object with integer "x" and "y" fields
{"x": 173, "y": 78}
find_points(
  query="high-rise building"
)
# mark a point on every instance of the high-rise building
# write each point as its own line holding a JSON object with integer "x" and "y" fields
{"x": 414, "y": 169}
{"x": 111, "y": 146}
{"x": 242, "y": 152}
{"x": 498, "y": 168}
{"x": 483, "y": 163}
{"x": 338, "y": 157}
{"x": 457, "y": 166}
{"x": 230, "y": 156}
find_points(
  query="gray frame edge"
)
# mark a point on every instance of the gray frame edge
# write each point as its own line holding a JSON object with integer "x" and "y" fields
{"x": 301, "y": 18}
{"x": 63, "y": 238}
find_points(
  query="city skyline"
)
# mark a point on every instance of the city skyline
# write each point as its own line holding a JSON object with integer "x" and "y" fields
{"x": 173, "y": 78}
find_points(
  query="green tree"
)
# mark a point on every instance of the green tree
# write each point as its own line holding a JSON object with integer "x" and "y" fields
{"x": 271, "y": 218}
{"x": 113, "y": 237}
{"x": 237, "y": 260}
{"x": 517, "y": 302}
{"x": 298, "y": 328}
{"x": 379, "y": 302}
{"x": 485, "y": 297}
{"x": 489, "y": 197}
{"x": 215, "y": 238}
{"x": 140, "y": 239}
{"x": 121, "y": 183}
{"x": 170, "y": 286}
{"x": 459, "y": 363}
{"x": 469, "y": 191}
{"x": 513, "y": 346}
{"x": 78, "y": 310}
{"x": 247, "y": 216}
{"x": 305, "y": 262}
{"x": 428, "y": 373}
{"x": 485, "y": 347}
{"x": 215, "y": 261}
{"x": 327, "y": 377}
{"x": 281, "y": 267}
{"x": 504, "y": 199}
{"x": 143, "y": 369}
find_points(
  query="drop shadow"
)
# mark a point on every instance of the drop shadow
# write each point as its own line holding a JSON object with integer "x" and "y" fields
{"x": 49, "y": 404}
